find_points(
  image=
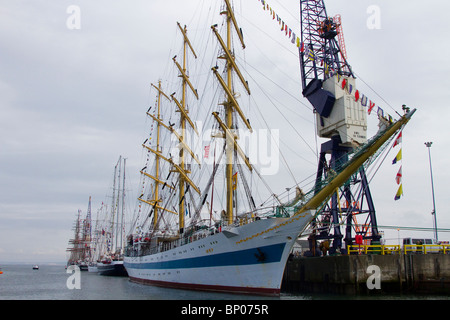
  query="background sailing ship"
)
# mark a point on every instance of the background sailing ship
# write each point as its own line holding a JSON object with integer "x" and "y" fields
{"x": 111, "y": 237}
{"x": 80, "y": 244}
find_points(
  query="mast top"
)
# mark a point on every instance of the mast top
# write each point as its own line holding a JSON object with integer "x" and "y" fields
{"x": 186, "y": 39}
{"x": 230, "y": 13}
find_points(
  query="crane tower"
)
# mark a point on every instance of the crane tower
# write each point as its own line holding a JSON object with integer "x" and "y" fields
{"x": 341, "y": 120}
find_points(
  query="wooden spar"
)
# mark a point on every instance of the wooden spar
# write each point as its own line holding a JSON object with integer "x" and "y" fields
{"x": 186, "y": 39}
{"x": 233, "y": 19}
{"x": 185, "y": 78}
{"x": 182, "y": 106}
{"x": 231, "y": 99}
{"x": 177, "y": 168}
{"x": 154, "y": 204}
{"x": 172, "y": 130}
{"x": 158, "y": 155}
{"x": 230, "y": 137}
{"x": 231, "y": 105}
{"x": 156, "y": 179}
{"x": 230, "y": 58}
{"x": 183, "y": 110}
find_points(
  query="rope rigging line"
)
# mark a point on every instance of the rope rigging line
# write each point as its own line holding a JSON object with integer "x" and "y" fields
{"x": 287, "y": 120}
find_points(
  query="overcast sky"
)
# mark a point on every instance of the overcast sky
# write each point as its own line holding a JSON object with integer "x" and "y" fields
{"x": 73, "y": 100}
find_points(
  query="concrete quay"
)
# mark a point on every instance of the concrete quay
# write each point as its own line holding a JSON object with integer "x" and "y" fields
{"x": 369, "y": 274}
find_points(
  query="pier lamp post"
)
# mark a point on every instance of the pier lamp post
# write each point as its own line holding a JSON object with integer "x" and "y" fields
{"x": 428, "y": 145}
{"x": 288, "y": 189}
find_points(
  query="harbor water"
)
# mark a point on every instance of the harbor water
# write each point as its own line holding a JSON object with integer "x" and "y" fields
{"x": 21, "y": 282}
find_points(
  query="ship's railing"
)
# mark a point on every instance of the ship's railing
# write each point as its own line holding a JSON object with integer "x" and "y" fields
{"x": 373, "y": 249}
{"x": 397, "y": 249}
{"x": 426, "y": 248}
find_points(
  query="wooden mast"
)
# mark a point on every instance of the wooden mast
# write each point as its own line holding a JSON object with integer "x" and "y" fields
{"x": 180, "y": 168}
{"x": 231, "y": 105}
{"x": 158, "y": 149}
{"x": 184, "y": 118}
{"x": 155, "y": 202}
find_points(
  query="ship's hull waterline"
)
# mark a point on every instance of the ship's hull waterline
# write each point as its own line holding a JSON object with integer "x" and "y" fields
{"x": 113, "y": 269}
{"x": 249, "y": 259}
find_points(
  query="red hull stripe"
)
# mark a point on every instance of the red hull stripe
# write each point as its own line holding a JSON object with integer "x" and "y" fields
{"x": 215, "y": 288}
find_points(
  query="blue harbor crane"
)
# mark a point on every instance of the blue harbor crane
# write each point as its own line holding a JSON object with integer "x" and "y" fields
{"x": 350, "y": 214}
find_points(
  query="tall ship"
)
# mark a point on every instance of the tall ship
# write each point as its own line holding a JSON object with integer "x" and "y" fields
{"x": 111, "y": 237}
{"x": 100, "y": 238}
{"x": 80, "y": 245}
{"x": 198, "y": 225}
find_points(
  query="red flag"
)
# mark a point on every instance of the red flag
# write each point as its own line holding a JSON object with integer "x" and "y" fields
{"x": 356, "y": 95}
{"x": 207, "y": 152}
{"x": 398, "y": 179}
{"x": 398, "y": 140}
{"x": 371, "y": 106}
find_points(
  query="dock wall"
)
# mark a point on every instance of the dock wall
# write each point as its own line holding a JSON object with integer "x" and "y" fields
{"x": 349, "y": 274}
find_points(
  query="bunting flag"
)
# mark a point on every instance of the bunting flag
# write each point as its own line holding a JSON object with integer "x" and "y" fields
{"x": 364, "y": 101}
{"x": 371, "y": 106}
{"x": 399, "y": 193}
{"x": 359, "y": 97}
{"x": 380, "y": 112}
{"x": 398, "y": 157}
{"x": 398, "y": 179}
{"x": 289, "y": 32}
{"x": 207, "y": 152}
{"x": 399, "y": 176}
{"x": 329, "y": 70}
{"x": 398, "y": 140}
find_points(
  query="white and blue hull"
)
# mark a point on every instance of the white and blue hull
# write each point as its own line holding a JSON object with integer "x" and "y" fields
{"x": 246, "y": 259}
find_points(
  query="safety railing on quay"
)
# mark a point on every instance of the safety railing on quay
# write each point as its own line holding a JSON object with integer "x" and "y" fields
{"x": 397, "y": 249}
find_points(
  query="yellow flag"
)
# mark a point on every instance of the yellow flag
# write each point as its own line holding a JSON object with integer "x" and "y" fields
{"x": 398, "y": 157}
{"x": 399, "y": 193}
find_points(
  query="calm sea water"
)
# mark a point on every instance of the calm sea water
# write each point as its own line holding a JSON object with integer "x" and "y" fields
{"x": 21, "y": 282}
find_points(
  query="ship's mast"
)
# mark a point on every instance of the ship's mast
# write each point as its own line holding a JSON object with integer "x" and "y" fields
{"x": 87, "y": 232}
{"x": 231, "y": 106}
{"x": 229, "y": 123}
{"x": 114, "y": 205}
{"x": 184, "y": 119}
{"x": 158, "y": 149}
{"x": 116, "y": 209}
{"x": 184, "y": 181}
{"x": 123, "y": 208}
{"x": 155, "y": 202}
{"x": 181, "y": 208}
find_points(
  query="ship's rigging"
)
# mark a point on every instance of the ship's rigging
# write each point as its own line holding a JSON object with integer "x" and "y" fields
{"x": 199, "y": 224}
{"x": 168, "y": 187}
{"x": 179, "y": 185}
